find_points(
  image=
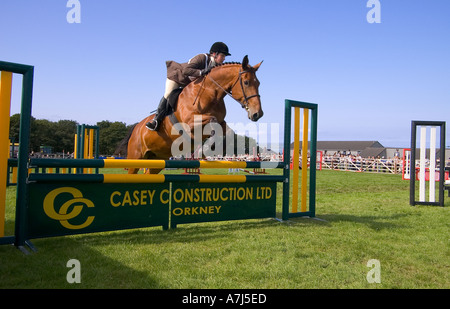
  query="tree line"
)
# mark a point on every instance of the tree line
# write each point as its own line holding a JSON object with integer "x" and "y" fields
{"x": 60, "y": 135}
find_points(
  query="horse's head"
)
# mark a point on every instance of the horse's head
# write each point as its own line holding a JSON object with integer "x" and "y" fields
{"x": 246, "y": 90}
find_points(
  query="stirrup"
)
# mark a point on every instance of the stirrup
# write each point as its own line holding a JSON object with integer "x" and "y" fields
{"x": 152, "y": 127}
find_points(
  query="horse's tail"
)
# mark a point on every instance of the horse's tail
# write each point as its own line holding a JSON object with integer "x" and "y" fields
{"x": 122, "y": 148}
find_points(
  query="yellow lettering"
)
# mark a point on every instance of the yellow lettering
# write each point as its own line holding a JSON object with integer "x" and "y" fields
{"x": 264, "y": 193}
{"x": 151, "y": 194}
{"x": 178, "y": 200}
{"x": 249, "y": 195}
{"x": 188, "y": 194}
{"x": 126, "y": 199}
{"x": 197, "y": 197}
{"x": 197, "y": 210}
{"x": 221, "y": 194}
{"x": 240, "y": 194}
{"x": 144, "y": 197}
{"x": 177, "y": 211}
{"x": 202, "y": 190}
{"x": 268, "y": 193}
{"x": 208, "y": 194}
{"x": 232, "y": 194}
{"x": 111, "y": 199}
{"x": 216, "y": 192}
{"x": 136, "y": 197}
{"x": 164, "y": 201}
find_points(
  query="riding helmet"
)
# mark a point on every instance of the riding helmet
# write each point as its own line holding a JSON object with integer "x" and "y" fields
{"x": 220, "y": 47}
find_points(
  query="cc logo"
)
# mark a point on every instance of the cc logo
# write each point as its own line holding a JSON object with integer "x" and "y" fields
{"x": 61, "y": 215}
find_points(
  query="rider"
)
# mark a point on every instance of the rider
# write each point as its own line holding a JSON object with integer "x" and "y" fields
{"x": 181, "y": 74}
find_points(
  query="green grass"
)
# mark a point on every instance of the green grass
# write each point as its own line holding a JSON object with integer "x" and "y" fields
{"x": 365, "y": 216}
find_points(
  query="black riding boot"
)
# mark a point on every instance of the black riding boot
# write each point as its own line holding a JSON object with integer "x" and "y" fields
{"x": 160, "y": 114}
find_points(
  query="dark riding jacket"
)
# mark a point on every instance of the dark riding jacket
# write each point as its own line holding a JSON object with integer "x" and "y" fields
{"x": 184, "y": 73}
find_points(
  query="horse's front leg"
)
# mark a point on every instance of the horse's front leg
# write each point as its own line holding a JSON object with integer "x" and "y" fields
{"x": 197, "y": 125}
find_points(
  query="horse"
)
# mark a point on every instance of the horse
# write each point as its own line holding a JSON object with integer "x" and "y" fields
{"x": 205, "y": 97}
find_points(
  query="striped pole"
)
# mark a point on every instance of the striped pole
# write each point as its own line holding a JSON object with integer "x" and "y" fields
{"x": 151, "y": 178}
{"x": 157, "y": 164}
{"x": 5, "y": 110}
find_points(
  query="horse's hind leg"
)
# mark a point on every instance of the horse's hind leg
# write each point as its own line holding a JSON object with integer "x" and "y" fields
{"x": 133, "y": 156}
{"x": 153, "y": 170}
{"x": 151, "y": 156}
{"x": 133, "y": 170}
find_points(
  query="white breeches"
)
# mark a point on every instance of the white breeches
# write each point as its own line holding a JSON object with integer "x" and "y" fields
{"x": 170, "y": 86}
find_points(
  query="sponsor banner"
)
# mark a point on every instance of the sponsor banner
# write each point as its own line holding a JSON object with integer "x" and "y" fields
{"x": 68, "y": 209}
{"x": 204, "y": 202}
{"x": 71, "y": 208}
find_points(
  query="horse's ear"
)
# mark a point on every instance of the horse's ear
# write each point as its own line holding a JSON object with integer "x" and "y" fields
{"x": 245, "y": 62}
{"x": 256, "y": 67}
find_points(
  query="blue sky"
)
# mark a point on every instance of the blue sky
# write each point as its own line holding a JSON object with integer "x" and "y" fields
{"x": 369, "y": 79}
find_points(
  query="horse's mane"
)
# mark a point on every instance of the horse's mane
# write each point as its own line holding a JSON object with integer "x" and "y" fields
{"x": 225, "y": 64}
{"x": 218, "y": 65}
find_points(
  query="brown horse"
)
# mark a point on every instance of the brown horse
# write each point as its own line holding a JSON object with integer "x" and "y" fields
{"x": 204, "y": 97}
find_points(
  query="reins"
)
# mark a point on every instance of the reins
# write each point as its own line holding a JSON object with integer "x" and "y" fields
{"x": 229, "y": 93}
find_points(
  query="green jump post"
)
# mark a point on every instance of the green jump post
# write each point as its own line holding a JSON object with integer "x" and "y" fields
{"x": 289, "y": 104}
{"x": 22, "y": 172}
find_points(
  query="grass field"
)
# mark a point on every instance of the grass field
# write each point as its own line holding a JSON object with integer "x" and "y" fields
{"x": 363, "y": 216}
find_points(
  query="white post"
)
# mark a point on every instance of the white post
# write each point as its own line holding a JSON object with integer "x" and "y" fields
{"x": 433, "y": 165}
{"x": 406, "y": 164}
{"x": 423, "y": 151}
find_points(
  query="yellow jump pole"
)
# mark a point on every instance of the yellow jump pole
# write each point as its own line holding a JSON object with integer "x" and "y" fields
{"x": 91, "y": 144}
{"x": 86, "y": 144}
{"x": 295, "y": 159}
{"x": 91, "y": 147}
{"x": 75, "y": 146}
{"x": 86, "y": 148}
{"x": 75, "y": 149}
{"x": 5, "y": 110}
{"x": 305, "y": 159}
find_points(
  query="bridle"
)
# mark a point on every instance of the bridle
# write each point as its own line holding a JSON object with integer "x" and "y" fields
{"x": 239, "y": 79}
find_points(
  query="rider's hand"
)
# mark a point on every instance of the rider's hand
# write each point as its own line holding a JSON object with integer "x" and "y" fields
{"x": 205, "y": 71}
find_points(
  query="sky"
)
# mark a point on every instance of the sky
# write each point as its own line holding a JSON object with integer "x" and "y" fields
{"x": 370, "y": 80}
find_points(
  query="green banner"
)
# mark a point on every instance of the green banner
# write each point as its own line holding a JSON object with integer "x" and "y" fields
{"x": 56, "y": 209}
{"x": 198, "y": 202}
{"x": 74, "y": 208}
